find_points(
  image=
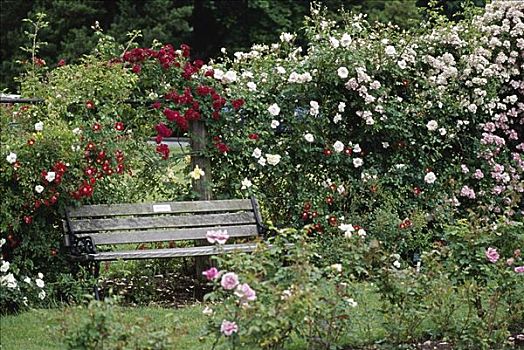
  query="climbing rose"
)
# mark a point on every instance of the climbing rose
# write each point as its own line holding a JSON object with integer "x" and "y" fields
{"x": 211, "y": 274}
{"x": 245, "y": 293}
{"x": 229, "y": 280}
{"x": 228, "y": 328}
{"x": 492, "y": 255}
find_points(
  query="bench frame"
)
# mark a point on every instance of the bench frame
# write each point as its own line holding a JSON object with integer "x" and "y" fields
{"x": 83, "y": 248}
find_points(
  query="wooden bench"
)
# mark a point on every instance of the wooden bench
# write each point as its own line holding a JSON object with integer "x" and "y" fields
{"x": 91, "y": 231}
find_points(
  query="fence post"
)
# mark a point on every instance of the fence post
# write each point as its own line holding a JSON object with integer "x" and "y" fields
{"x": 202, "y": 187}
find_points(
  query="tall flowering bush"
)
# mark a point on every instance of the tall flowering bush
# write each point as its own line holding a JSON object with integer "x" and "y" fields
{"x": 369, "y": 123}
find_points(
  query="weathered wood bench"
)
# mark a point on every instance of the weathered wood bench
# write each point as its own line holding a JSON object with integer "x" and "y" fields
{"x": 93, "y": 231}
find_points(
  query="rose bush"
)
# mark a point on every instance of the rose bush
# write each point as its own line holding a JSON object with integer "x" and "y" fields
{"x": 425, "y": 125}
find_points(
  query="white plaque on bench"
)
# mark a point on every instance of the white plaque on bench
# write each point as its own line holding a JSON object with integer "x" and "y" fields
{"x": 161, "y": 208}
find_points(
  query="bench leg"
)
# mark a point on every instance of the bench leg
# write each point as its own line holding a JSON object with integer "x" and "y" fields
{"x": 96, "y": 274}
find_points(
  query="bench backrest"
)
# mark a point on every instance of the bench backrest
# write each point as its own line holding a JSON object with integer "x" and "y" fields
{"x": 167, "y": 221}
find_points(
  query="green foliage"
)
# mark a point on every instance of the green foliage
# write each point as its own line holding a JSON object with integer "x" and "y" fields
{"x": 102, "y": 328}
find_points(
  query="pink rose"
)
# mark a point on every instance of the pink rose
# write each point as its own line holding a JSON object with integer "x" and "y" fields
{"x": 492, "y": 255}
{"x": 228, "y": 328}
{"x": 519, "y": 269}
{"x": 245, "y": 293}
{"x": 218, "y": 236}
{"x": 211, "y": 274}
{"x": 229, "y": 280}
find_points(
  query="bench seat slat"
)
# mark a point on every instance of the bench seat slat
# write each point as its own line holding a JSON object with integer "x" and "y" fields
{"x": 119, "y": 237}
{"x": 165, "y": 221}
{"x": 105, "y": 210}
{"x": 172, "y": 252}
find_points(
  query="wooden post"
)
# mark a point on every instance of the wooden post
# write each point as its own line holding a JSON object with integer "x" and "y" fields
{"x": 198, "y": 145}
{"x": 198, "y": 134}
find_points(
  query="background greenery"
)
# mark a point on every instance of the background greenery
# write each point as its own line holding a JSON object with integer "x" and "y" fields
{"x": 205, "y": 25}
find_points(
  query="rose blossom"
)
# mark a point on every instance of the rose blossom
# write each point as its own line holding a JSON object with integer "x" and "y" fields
{"x": 50, "y": 176}
{"x": 228, "y": 328}
{"x": 39, "y": 126}
{"x": 519, "y": 269}
{"x": 338, "y": 146}
{"x": 229, "y": 280}
{"x": 492, "y": 255}
{"x": 274, "y": 109}
{"x": 430, "y": 177}
{"x": 309, "y": 137}
{"x": 219, "y": 236}
{"x": 245, "y": 293}
{"x": 357, "y": 162}
{"x": 273, "y": 159}
{"x": 343, "y": 72}
{"x": 211, "y": 274}
{"x": 432, "y": 125}
{"x": 11, "y": 158}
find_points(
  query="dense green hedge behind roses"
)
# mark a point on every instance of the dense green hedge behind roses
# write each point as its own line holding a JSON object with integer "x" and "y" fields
{"x": 381, "y": 129}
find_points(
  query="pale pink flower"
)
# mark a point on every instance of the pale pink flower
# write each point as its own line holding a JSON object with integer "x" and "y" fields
{"x": 492, "y": 255}
{"x": 228, "y": 328}
{"x": 218, "y": 236}
{"x": 229, "y": 280}
{"x": 245, "y": 293}
{"x": 211, "y": 274}
{"x": 519, "y": 269}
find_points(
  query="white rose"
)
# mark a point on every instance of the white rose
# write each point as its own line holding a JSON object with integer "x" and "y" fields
{"x": 274, "y": 124}
{"x": 336, "y": 267}
{"x": 430, "y": 177}
{"x": 11, "y": 158}
{"x": 251, "y": 86}
{"x": 273, "y": 159}
{"x": 357, "y": 149}
{"x": 39, "y": 283}
{"x": 246, "y": 183}
{"x": 334, "y": 42}
{"x": 343, "y": 72}
{"x": 390, "y": 50}
{"x": 39, "y": 126}
{"x": 348, "y": 230}
{"x": 39, "y": 189}
{"x": 281, "y": 70}
{"x": 2, "y": 242}
{"x": 262, "y": 161}
{"x": 50, "y": 176}
{"x": 402, "y": 64}
{"x": 77, "y": 131}
{"x": 432, "y": 125}
{"x": 218, "y": 74}
{"x": 338, "y": 146}
{"x": 274, "y": 109}
{"x": 257, "y": 152}
{"x": 357, "y": 162}
{"x": 286, "y": 37}
{"x": 40, "y": 275}
{"x": 341, "y": 106}
{"x": 5, "y": 266}
{"x": 41, "y": 295}
{"x": 442, "y": 131}
{"x": 337, "y": 118}
{"x": 309, "y": 137}
{"x": 345, "y": 41}
{"x": 229, "y": 77}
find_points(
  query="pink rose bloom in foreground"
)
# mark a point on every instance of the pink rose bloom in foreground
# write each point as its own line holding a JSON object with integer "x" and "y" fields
{"x": 229, "y": 280}
{"x": 519, "y": 269}
{"x": 211, "y": 274}
{"x": 228, "y": 328}
{"x": 492, "y": 255}
{"x": 218, "y": 236}
{"x": 245, "y": 293}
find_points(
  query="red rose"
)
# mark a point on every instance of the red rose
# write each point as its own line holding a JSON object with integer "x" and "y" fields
{"x": 156, "y": 105}
{"x": 31, "y": 142}
{"x": 28, "y": 219}
{"x": 61, "y": 63}
{"x": 163, "y": 149}
{"x": 136, "y": 68}
{"x": 163, "y": 130}
{"x": 90, "y": 104}
{"x": 253, "y": 136}
{"x": 119, "y": 126}
{"x": 97, "y": 127}
{"x": 237, "y": 103}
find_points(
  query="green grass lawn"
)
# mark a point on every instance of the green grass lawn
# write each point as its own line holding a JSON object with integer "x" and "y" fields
{"x": 40, "y": 329}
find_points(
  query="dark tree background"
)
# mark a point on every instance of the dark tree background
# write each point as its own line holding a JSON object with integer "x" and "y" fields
{"x": 206, "y": 25}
